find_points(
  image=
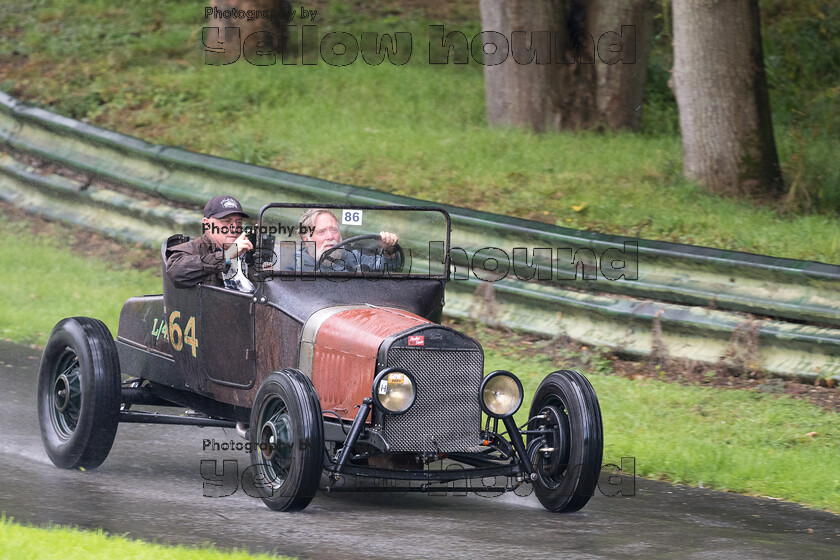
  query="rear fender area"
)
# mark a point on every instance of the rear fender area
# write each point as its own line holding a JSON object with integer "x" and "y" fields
{"x": 143, "y": 342}
{"x": 143, "y": 324}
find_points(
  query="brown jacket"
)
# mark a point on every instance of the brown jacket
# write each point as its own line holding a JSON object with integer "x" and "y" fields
{"x": 197, "y": 261}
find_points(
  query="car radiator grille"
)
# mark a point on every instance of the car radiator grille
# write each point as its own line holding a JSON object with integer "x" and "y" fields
{"x": 446, "y": 416}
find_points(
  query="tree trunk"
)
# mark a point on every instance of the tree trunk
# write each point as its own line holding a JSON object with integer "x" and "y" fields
{"x": 576, "y": 57}
{"x": 572, "y": 64}
{"x": 520, "y": 93}
{"x": 721, "y": 92}
{"x": 620, "y": 88}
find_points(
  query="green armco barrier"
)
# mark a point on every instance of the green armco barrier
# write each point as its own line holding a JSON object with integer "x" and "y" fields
{"x": 692, "y": 334}
{"x": 130, "y": 185}
{"x": 109, "y": 212}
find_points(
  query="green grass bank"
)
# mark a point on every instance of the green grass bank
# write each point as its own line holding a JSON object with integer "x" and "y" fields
{"x": 420, "y": 129}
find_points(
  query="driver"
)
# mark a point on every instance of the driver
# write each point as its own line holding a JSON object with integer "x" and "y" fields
{"x": 320, "y": 231}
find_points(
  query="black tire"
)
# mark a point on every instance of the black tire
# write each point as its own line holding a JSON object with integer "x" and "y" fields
{"x": 79, "y": 393}
{"x": 567, "y": 476}
{"x": 288, "y": 469}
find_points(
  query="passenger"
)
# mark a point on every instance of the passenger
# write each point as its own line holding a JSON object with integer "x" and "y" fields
{"x": 320, "y": 232}
{"x": 214, "y": 258}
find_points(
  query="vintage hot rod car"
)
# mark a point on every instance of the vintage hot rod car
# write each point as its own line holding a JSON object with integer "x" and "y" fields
{"x": 332, "y": 372}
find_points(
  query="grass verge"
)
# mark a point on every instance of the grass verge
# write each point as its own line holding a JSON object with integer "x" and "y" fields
{"x": 56, "y": 279}
{"x": 740, "y": 441}
{"x": 64, "y": 543}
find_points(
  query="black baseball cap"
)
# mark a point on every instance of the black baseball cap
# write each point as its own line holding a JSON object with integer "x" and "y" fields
{"x": 221, "y": 206}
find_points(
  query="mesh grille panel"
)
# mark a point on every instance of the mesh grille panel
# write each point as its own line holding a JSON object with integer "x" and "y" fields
{"x": 446, "y": 415}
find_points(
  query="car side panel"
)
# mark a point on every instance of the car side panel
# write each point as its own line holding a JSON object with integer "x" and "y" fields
{"x": 143, "y": 342}
{"x": 277, "y": 337}
{"x": 276, "y": 343}
{"x": 225, "y": 331}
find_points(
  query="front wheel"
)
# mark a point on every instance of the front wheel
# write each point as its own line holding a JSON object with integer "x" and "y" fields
{"x": 287, "y": 441}
{"x": 567, "y": 457}
{"x": 79, "y": 393}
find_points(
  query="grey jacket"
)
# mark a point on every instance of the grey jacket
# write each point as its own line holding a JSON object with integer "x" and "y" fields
{"x": 354, "y": 260}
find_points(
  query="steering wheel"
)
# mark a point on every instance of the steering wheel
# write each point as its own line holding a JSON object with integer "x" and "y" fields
{"x": 325, "y": 256}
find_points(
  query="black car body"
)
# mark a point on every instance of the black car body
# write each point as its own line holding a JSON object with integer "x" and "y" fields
{"x": 329, "y": 373}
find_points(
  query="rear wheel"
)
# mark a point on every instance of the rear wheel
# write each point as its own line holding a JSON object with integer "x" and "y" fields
{"x": 79, "y": 393}
{"x": 287, "y": 441}
{"x": 567, "y": 459}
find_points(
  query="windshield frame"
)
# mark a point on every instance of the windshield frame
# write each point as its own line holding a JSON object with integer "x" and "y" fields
{"x": 369, "y": 275}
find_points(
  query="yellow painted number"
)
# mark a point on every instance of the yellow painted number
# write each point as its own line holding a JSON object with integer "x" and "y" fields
{"x": 176, "y": 339}
{"x": 189, "y": 335}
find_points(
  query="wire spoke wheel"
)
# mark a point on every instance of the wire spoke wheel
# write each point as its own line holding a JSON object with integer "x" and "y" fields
{"x": 287, "y": 441}
{"x": 66, "y": 396}
{"x": 79, "y": 393}
{"x": 276, "y": 442}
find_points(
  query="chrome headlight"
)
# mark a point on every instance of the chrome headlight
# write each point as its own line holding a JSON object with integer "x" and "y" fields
{"x": 394, "y": 390}
{"x": 500, "y": 394}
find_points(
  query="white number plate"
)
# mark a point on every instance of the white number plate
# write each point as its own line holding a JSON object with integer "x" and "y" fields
{"x": 351, "y": 217}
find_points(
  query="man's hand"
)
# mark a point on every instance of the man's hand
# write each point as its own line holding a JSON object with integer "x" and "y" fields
{"x": 387, "y": 240}
{"x": 241, "y": 245}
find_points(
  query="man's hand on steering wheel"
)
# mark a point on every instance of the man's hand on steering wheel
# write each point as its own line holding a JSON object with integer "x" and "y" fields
{"x": 388, "y": 240}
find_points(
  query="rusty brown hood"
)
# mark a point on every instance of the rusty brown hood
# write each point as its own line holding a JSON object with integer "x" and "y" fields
{"x": 339, "y": 348}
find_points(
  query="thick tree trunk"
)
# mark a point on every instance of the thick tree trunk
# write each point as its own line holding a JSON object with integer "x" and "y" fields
{"x": 721, "y": 92}
{"x": 620, "y": 88}
{"x": 522, "y": 90}
{"x": 586, "y": 69}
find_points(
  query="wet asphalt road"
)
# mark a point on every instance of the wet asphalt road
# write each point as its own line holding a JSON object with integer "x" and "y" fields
{"x": 151, "y": 487}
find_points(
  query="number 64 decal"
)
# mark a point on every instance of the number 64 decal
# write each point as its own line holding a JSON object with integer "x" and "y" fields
{"x": 176, "y": 338}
